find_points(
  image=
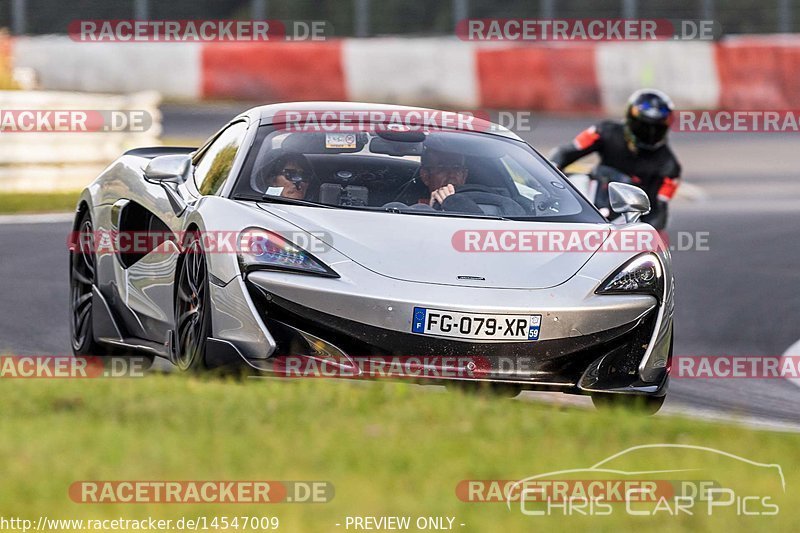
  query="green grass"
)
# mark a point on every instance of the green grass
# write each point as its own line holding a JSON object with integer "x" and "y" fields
{"x": 45, "y": 202}
{"x": 389, "y": 449}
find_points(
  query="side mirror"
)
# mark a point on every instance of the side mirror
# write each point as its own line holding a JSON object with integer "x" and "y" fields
{"x": 628, "y": 200}
{"x": 172, "y": 168}
{"x": 166, "y": 169}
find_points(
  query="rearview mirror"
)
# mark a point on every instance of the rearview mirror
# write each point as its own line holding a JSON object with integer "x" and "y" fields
{"x": 628, "y": 200}
{"x": 400, "y": 134}
{"x": 172, "y": 168}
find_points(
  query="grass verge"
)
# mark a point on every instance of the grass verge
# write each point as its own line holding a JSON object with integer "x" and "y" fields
{"x": 45, "y": 202}
{"x": 389, "y": 449}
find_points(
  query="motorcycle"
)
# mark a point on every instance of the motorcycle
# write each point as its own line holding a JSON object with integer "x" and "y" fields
{"x": 594, "y": 186}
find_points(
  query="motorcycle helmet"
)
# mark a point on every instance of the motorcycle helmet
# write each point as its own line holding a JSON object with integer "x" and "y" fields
{"x": 647, "y": 118}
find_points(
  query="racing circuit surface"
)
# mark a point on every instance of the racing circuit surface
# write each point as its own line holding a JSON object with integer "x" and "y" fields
{"x": 739, "y": 297}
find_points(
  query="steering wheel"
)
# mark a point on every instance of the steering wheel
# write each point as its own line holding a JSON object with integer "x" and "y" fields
{"x": 465, "y": 190}
{"x": 481, "y": 199}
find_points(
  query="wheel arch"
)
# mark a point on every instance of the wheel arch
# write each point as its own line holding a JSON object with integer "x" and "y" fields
{"x": 82, "y": 209}
{"x": 192, "y": 227}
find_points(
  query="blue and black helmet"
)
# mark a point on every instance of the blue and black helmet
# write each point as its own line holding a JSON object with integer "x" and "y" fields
{"x": 648, "y": 117}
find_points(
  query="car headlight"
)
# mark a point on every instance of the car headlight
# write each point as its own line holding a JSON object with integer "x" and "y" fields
{"x": 641, "y": 275}
{"x": 260, "y": 249}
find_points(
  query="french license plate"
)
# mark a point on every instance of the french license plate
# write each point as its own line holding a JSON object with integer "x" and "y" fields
{"x": 476, "y": 325}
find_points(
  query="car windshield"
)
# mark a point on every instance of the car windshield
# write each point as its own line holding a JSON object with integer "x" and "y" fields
{"x": 442, "y": 172}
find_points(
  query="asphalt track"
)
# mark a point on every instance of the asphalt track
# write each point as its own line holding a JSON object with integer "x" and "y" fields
{"x": 741, "y": 296}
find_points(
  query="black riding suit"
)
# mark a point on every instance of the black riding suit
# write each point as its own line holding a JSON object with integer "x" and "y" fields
{"x": 656, "y": 171}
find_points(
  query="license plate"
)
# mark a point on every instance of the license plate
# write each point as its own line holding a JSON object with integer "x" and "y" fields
{"x": 476, "y": 325}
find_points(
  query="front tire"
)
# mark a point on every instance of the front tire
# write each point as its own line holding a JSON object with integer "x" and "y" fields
{"x": 489, "y": 388}
{"x": 646, "y": 405}
{"x": 192, "y": 313}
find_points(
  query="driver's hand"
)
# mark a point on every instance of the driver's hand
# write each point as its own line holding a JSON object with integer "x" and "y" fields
{"x": 441, "y": 193}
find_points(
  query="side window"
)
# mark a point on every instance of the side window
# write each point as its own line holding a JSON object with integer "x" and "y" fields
{"x": 522, "y": 178}
{"x": 215, "y": 165}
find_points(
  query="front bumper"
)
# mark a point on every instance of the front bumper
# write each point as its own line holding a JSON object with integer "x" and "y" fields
{"x": 606, "y": 361}
{"x": 615, "y": 343}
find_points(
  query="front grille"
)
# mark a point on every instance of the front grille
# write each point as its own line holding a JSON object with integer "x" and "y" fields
{"x": 561, "y": 361}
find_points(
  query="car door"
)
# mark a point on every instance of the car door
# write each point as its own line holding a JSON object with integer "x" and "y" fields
{"x": 150, "y": 275}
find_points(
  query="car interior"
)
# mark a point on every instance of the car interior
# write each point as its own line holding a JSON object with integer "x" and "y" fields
{"x": 381, "y": 170}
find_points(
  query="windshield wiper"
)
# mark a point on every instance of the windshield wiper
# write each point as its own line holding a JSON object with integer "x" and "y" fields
{"x": 451, "y": 214}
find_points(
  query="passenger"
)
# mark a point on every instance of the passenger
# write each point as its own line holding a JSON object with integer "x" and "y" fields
{"x": 292, "y": 173}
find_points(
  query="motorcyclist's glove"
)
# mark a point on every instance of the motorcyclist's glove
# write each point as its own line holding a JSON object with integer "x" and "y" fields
{"x": 667, "y": 189}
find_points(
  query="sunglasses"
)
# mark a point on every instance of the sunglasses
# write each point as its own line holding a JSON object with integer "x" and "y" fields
{"x": 294, "y": 175}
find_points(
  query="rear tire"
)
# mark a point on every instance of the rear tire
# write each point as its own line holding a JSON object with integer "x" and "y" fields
{"x": 82, "y": 277}
{"x": 192, "y": 313}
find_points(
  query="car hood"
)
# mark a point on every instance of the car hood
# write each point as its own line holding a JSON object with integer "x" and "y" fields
{"x": 425, "y": 249}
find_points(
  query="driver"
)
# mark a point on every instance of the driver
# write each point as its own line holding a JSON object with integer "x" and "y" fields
{"x": 440, "y": 172}
{"x": 636, "y": 147}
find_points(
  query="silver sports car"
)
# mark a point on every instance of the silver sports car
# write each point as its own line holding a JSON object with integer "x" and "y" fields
{"x": 365, "y": 237}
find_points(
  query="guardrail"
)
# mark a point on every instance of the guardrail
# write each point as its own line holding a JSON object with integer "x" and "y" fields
{"x": 52, "y": 140}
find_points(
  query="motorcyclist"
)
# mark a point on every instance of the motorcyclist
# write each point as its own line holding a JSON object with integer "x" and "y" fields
{"x": 636, "y": 147}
